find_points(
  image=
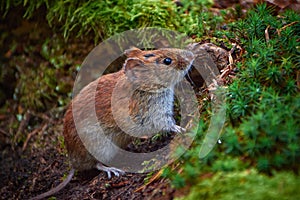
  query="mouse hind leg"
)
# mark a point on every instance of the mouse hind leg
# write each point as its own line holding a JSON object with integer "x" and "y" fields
{"x": 109, "y": 170}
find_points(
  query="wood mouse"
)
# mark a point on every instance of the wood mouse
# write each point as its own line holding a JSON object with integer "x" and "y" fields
{"x": 148, "y": 77}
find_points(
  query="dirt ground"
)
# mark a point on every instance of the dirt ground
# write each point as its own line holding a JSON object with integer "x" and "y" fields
{"x": 34, "y": 170}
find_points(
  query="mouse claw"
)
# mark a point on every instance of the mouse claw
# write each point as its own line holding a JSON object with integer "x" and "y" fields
{"x": 178, "y": 129}
{"x": 117, "y": 172}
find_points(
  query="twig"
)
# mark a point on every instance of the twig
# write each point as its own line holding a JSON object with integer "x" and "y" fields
{"x": 227, "y": 70}
{"x": 153, "y": 178}
{"x": 121, "y": 184}
{"x": 11, "y": 121}
{"x": 116, "y": 197}
{"x": 40, "y": 129}
{"x": 3, "y": 132}
{"x": 48, "y": 167}
{"x": 284, "y": 27}
{"x": 22, "y": 126}
{"x": 33, "y": 184}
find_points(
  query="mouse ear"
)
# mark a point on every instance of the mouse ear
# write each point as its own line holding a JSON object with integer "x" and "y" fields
{"x": 134, "y": 68}
{"x": 132, "y": 63}
{"x": 132, "y": 52}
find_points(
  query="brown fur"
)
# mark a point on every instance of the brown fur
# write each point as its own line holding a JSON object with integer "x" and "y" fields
{"x": 78, "y": 154}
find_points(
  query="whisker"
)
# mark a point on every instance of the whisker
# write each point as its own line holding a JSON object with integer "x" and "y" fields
{"x": 190, "y": 79}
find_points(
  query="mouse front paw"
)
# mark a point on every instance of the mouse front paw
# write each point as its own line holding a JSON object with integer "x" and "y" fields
{"x": 177, "y": 129}
{"x": 117, "y": 172}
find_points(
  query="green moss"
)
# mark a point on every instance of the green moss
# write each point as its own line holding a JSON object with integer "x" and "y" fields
{"x": 263, "y": 103}
{"x": 106, "y": 18}
{"x": 246, "y": 185}
{"x": 262, "y": 129}
{"x": 40, "y": 84}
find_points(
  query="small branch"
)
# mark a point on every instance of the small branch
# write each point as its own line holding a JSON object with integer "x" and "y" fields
{"x": 226, "y": 71}
{"x": 22, "y": 126}
{"x": 153, "y": 178}
{"x": 4, "y": 132}
{"x": 284, "y": 27}
{"x": 121, "y": 184}
{"x": 37, "y": 130}
{"x": 118, "y": 195}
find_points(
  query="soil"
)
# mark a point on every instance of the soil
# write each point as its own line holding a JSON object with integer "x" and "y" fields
{"x": 43, "y": 164}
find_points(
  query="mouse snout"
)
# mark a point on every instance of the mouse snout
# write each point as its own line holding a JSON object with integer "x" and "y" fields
{"x": 189, "y": 56}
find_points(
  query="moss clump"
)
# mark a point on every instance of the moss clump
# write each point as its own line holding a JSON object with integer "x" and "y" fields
{"x": 264, "y": 101}
{"x": 246, "y": 185}
{"x": 105, "y": 18}
{"x": 262, "y": 130}
{"x": 42, "y": 81}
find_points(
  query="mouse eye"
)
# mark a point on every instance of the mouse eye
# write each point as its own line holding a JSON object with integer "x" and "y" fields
{"x": 167, "y": 61}
{"x": 149, "y": 55}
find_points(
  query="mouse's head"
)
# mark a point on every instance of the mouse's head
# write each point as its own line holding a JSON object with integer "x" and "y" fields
{"x": 157, "y": 70}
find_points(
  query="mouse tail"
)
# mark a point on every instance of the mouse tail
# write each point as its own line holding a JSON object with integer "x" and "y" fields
{"x": 57, "y": 188}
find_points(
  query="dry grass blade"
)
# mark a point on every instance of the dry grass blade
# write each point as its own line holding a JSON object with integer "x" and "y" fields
{"x": 284, "y": 27}
{"x": 22, "y": 126}
{"x": 37, "y": 130}
{"x": 153, "y": 178}
{"x": 267, "y": 34}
